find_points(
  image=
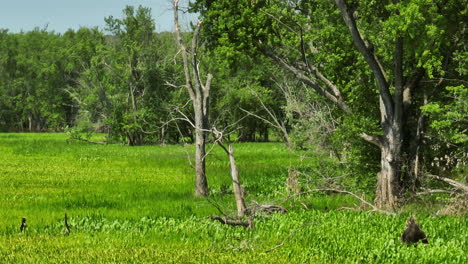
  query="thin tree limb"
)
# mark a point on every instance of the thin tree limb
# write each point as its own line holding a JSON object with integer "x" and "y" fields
{"x": 455, "y": 184}
{"x": 311, "y": 82}
{"x": 376, "y": 140}
{"x": 374, "y": 208}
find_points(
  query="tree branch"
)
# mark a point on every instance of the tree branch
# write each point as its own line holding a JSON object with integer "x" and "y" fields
{"x": 455, "y": 184}
{"x": 410, "y": 85}
{"x": 374, "y": 208}
{"x": 376, "y": 140}
{"x": 434, "y": 191}
{"x": 183, "y": 51}
{"x": 196, "y": 73}
{"x": 398, "y": 95}
{"x": 370, "y": 58}
{"x": 305, "y": 79}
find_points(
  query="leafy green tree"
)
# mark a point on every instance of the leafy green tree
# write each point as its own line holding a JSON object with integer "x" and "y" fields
{"x": 34, "y": 80}
{"x": 367, "y": 58}
{"x": 123, "y": 85}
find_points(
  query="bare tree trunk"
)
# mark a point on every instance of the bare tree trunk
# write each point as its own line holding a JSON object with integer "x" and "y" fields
{"x": 199, "y": 94}
{"x": 201, "y": 183}
{"x": 238, "y": 192}
{"x": 30, "y": 124}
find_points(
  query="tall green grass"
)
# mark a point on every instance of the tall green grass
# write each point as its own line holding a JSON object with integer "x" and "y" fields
{"x": 136, "y": 205}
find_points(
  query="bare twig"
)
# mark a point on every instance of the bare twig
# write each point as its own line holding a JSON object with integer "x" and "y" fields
{"x": 216, "y": 205}
{"x": 288, "y": 237}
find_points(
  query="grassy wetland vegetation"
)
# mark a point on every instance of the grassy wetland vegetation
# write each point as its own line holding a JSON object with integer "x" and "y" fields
{"x": 349, "y": 114}
{"x": 136, "y": 205}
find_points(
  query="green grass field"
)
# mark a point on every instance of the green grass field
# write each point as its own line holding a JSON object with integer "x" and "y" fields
{"x": 136, "y": 205}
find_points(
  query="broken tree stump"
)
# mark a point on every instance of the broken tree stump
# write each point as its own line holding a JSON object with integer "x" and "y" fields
{"x": 413, "y": 233}
{"x": 23, "y": 224}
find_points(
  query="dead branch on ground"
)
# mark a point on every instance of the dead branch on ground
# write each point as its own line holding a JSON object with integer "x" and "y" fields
{"x": 433, "y": 191}
{"x": 266, "y": 208}
{"x": 363, "y": 201}
{"x": 224, "y": 220}
{"x": 87, "y": 141}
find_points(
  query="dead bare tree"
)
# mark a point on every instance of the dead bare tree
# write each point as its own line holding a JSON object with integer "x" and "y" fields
{"x": 238, "y": 189}
{"x": 199, "y": 93}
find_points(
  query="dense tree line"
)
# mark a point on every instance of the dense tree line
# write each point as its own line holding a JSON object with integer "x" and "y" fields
{"x": 125, "y": 81}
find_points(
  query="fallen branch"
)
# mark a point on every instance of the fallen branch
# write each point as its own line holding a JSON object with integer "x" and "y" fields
{"x": 374, "y": 208}
{"x": 268, "y": 208}
{"x": 87, "y": 141}
{"x": 434, "y": 191}
{"x": 224, "y": 220}
{"x": 455, "y": 184}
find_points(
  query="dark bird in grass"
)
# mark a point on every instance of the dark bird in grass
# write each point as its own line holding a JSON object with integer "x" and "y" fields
{"x": 67, "y": 227}
{"x": 23, "y": 224}
{"x": 413, "y": 233}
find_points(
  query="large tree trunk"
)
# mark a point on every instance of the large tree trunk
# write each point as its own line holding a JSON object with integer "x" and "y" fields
{"x": 388, "y": 181}
{"x": 391, "y": 110}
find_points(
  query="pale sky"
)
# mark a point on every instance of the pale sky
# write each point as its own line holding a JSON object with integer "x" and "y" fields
{"x": 60, "y": 15}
